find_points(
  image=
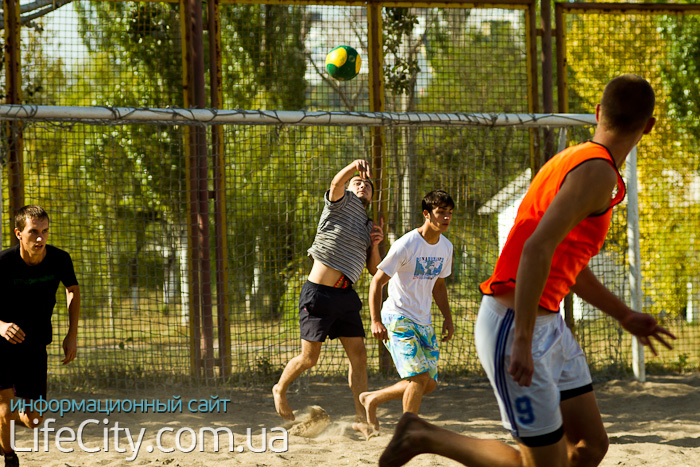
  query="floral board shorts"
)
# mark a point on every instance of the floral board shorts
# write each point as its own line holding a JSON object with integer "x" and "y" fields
{"x": 412, "y": 346}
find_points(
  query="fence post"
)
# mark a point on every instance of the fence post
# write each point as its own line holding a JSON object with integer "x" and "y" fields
{"x": 13, "y": 128}
{"x": 532, "y": 90}
{"x": 201, "y": 174}
{"x": 569, "y": 299}
{"x": 201, "y": 319}
{"x": 192, "y": 263}
{"x": 634, "y": 254}
{"x": 547, "y": 78}
{"x": 218, "y": 149}
{"x": 376, "y": 93}
{"x": 560, "y": 32}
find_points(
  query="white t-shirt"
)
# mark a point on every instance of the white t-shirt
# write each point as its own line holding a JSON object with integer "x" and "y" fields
{"x": 414, "y": 266}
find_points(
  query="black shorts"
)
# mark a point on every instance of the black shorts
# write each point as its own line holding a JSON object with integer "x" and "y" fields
{"x": 24, "y": 370}
{"x": 327, "y": 311}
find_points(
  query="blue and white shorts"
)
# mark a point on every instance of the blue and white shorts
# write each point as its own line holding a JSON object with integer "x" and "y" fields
{"x": 531, "y": 413}
{"x": 412, "y": 346}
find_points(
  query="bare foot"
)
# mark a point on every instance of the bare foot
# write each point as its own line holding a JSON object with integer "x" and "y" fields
{"x": 281, "y": 404}
{"x": 366, "y": 430}
{"x": 405, "y": 444}
{"x": 369, "y": 402}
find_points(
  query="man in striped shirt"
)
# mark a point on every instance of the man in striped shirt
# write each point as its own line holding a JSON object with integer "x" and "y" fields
{"x": 346, "y": 241}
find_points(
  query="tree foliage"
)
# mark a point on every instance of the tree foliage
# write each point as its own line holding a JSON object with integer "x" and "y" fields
{"x": 265, "y": 53}
{"x": 666, "y": 169}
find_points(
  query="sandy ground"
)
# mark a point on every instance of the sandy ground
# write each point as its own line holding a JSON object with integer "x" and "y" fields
{"x": 656, "y": 423}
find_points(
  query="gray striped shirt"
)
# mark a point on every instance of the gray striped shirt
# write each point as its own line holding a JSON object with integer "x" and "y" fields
{"x": 342, "y": 237}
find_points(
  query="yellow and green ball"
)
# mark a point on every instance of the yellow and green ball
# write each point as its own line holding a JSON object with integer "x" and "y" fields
{"x": 343, "y": 63}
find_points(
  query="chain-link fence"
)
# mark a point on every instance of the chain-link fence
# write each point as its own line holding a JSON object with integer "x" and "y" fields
{"x": 119, "y": 195}
{"x": 273, "y": 56}
{"x": 659, "y": 43}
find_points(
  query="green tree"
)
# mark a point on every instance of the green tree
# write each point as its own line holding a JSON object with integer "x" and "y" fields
{"x": 667, "y": 170}
{"x": 450, "y": 60}
{"x": 265, "y": 59}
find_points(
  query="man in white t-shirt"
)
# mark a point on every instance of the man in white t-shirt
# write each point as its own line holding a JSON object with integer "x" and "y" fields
{"x": 415, "y": 269}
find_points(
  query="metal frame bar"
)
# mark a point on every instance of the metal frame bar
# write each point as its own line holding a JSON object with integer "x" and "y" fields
{"x": 13, "y": 130}
{"x": 198, "y": 117}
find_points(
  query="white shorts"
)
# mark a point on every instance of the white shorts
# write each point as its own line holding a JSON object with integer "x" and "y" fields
{"x": 531, "y": 413}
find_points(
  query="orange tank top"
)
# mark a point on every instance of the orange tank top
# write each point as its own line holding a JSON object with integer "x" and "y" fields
{"x": 578, "y": 247}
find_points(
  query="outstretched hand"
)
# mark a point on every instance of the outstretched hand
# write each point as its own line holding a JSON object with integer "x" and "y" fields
{"x": 377, "y": 234}
{"x": 644, "y": 327}
{"x": 362, "y": 166}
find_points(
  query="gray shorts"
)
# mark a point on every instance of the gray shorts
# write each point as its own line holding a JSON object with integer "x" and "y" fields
{"x": 532, "y": 412}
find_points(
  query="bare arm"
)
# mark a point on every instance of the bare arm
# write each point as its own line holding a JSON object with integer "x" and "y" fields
{"x": 585, "y": 191}
{"x": 373, "y": 256}
{"x": 440, "y": 297}
{"x": 337, "y": 189}
{"x": 379, "y": 280}
{"x": 70, "y": 343}
{"x": 641, "y": 325}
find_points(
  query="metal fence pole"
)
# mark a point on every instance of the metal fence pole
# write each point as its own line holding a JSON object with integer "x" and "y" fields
{"x": 634, "y": 253}
{"x": 376, "y": 90}
{"x": 219, "y": 192}
{"x": 13, "y": 129}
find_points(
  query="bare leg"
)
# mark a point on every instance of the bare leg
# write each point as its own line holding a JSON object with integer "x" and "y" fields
{"x": 6, "y": 416}
{"x": 586, "y": 439}
{"x": 357, "y": 379}
{"x": 308, "y": 357}
{"x": 418, "y": 386}
{"x": 415, "y": 436}
{"x": 371, "y": 400}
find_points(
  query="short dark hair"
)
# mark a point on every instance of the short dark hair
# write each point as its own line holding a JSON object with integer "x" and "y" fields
{"x": 368, "y": 180}
{"x": 627, "y": 103}
{"x": 437, "y": 199}
{"x": 31, "y": 211}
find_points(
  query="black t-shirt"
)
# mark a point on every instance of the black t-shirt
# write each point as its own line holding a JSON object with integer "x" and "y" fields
{"x": 29, "y": 292}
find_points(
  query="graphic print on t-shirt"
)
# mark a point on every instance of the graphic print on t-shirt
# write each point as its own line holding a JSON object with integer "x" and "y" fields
{"x": 427, "y": 267}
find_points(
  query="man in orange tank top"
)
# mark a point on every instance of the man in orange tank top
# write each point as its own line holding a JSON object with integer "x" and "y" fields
{"x": 537, "y": 369}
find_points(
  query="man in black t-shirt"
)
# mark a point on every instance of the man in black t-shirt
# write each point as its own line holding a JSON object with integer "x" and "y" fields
{"x": 30, "y": 273}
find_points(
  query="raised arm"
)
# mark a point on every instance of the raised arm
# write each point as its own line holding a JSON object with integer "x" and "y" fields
{"x": 337, "y": 189}
{"x": 440, "y": 297}
{"x": 641, "y": 325}
{"x": 70, "y": 343}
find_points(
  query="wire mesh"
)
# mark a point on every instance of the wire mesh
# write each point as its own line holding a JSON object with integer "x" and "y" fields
{"x": 658, "y": 46}
{"x": 117, "y": 198}
{"x": 104, "y": 53}
{"x": 117, "y": 194}
{"x": 273, "y": 57}
{"x": 435, "y": 59}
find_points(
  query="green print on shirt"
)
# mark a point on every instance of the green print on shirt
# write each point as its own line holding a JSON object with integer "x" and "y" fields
{"x": 34, "y": 280}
